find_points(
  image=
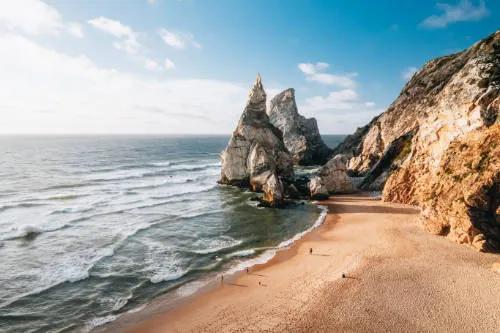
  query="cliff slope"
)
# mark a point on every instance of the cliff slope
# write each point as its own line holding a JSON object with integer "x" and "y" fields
{"x": 447, "y": 111}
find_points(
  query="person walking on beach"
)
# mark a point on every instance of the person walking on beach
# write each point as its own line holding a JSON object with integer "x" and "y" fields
{"x": 311, "y": 250}
{"x": 222, "y": 279}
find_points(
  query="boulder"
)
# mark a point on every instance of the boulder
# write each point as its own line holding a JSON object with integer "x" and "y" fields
{"x": 256, "y": 156}
{"x": 332, "y": 178}
{"x": 300, "y": 134}
{"x": 318, "y": 189}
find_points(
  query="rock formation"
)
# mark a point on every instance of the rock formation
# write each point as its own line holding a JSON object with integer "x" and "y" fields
{"x": 462, "y": 199}
{"x": 331, "y": 178}
{"x": 256, "y": 156}
{"x": 300, "y": 134}
{"x": 436, "y": 146}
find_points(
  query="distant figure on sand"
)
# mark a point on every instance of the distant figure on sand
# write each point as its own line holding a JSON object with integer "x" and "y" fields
{"x": 311, "y": 250}
{"x": 343, "y": 275}
{"x": 222, "y": 279}
{"x": 247, "y": 270}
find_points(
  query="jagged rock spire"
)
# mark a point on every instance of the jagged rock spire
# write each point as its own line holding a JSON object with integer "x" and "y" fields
{"x": 256, "y": 156}
{"x": 257, "y": 96}
{"x": 300, "y": 134}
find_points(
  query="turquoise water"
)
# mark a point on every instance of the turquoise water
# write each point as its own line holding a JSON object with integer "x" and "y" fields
{"x": 92, "y": 227}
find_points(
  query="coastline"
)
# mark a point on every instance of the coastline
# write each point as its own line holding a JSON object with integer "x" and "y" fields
{"x": 396, "y": 280}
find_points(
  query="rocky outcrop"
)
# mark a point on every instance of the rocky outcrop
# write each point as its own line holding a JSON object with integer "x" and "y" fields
{"x": 300, "y": 134}
{"x": 461, "y": 200}
{"x": 256, "y": 156}
{"x": 418, "y": 151}
{"x": 332, "y": 178}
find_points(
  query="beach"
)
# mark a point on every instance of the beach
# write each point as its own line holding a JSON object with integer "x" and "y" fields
{"x": 397, "y": 278}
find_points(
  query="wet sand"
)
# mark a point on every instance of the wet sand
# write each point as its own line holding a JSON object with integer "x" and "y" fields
{"x": 398, "y": 278}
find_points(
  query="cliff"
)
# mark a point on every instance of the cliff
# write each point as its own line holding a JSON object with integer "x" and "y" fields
{"x": 256, "y": 156}
{"x": 300, "y": 134}
{"x": 436, "y": 145}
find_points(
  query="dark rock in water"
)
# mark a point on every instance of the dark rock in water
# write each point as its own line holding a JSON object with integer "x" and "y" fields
{"x": 300, "y": 134}
{"x": 292, "y": 192}
{"x": 256, "y": 156}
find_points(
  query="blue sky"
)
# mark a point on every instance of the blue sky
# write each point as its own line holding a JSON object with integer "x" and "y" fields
{"x": 184, "y": 66}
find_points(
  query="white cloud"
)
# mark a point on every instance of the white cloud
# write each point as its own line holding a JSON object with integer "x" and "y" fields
{"x": 408, "y": 73}
{"x": 315, "y": 72}
{"x": 44, "y": 91}
{"x": 152, "y": 2}
{"x": 178, "y": 40}
{"x": 127, "y": 38}
{"x": 34, "y": 17}
{"x": 75, "y": 29}
{"x": 335, "y": 100}
{"x": 168, "y": 64}
{"x": 151, "y": 65}
{"x": 462, "y": 11}
{"x": 340, "y": 112}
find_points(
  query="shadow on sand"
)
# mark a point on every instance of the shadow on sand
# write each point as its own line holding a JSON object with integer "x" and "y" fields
{"x": 343, "y": 208}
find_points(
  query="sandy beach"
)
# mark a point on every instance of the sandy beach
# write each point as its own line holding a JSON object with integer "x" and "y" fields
{"x": 398, "y": 278}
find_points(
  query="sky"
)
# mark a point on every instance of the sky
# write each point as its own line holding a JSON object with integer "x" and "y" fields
{"x": 185, "y": 66}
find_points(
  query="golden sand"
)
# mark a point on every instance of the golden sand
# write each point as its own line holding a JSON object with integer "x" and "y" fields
{"x": 398, "y": 278}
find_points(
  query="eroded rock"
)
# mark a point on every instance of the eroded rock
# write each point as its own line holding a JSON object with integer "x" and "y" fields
{"x": 256, "y": 156}
{"x": 300, "y": 134}
{"x": 433, "y": 145}
{"x": 332, "y": 178}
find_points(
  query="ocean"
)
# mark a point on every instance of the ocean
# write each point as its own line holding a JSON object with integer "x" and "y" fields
{"x": 92, "y": 227}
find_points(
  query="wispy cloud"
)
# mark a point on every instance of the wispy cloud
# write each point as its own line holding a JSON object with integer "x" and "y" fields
{"x": 75, "y": 29}
{"x": 35, "y": 17}
{"x": 337, "y": 100}
{"x": 408, "y": 73}
{"x": 168, "y": 64}
{"x": 169, "y": 112}
{"x": 316, "y": 72}
{"x": 178, "y": 40}
{"x": 83, "y": 97}
{"x": 126, "y": 37}
{"x": 153, "y": 65}
{"x": 461, "y": 12}
{"x": 340, "y": 111}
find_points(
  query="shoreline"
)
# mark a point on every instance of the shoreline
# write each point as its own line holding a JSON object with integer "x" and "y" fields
{"x": 358, "y": 236}
{"x": 167, "y": 302}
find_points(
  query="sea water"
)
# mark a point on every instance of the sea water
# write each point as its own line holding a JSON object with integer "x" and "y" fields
{"x": 95, "y": 226}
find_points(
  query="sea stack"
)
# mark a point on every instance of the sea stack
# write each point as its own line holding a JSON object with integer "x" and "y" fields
{"x": 437, "y": 146}
{"x": 256, "y": 156}
{"x": 300, "y": 134}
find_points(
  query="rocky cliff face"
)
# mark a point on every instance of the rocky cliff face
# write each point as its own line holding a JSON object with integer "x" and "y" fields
{"x": 448, "y": 110}
{"x": 461, "y": 200}
{"x": 300, "y": 134}
{"x": 256, "y": 156}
